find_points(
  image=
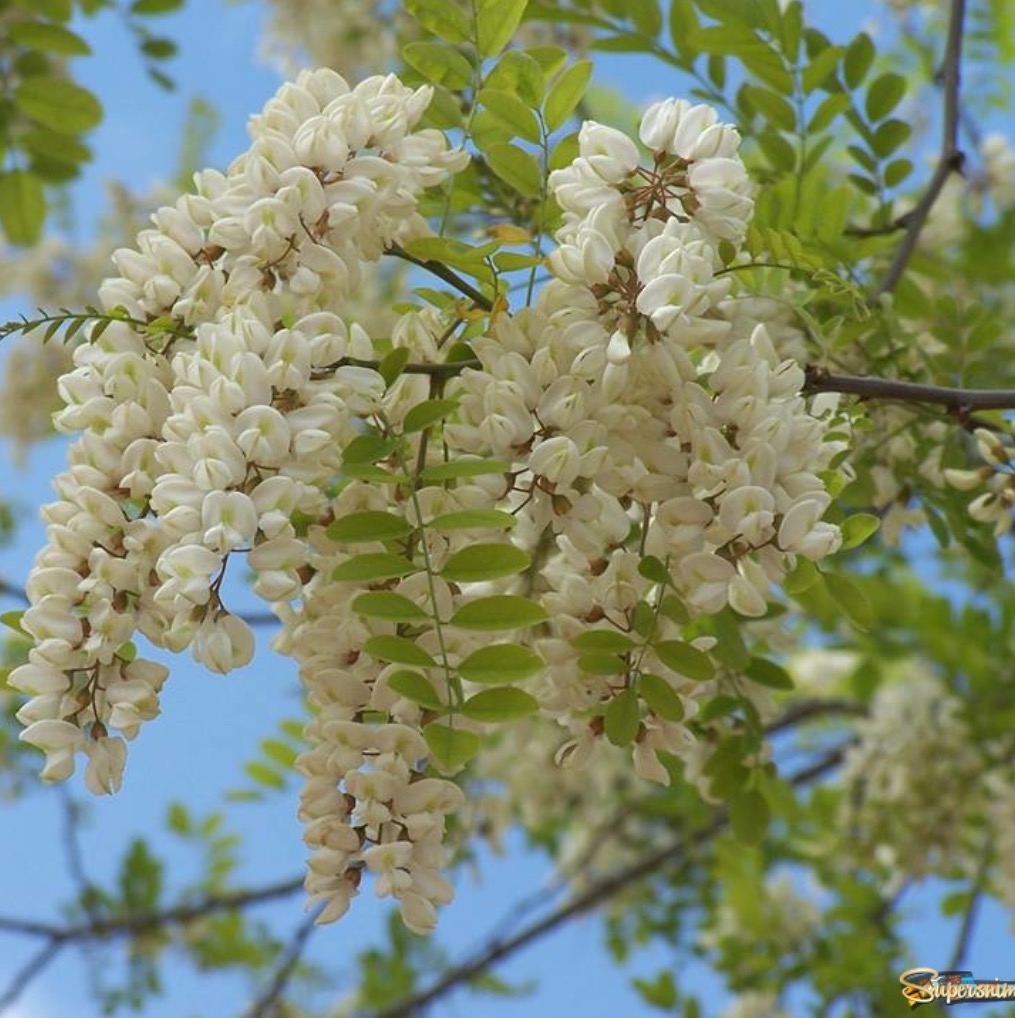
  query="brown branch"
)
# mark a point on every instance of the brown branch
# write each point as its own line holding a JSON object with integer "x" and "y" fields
{"x": 958, "y": 401}
{"x": 951, "y": 157}
{"x": 24, "y": 976}
{"x": 447, "y": 369}
{"x": 264, "y": 1006}
{"x": 677, "y": 853}
{"x": 448, "y": 275}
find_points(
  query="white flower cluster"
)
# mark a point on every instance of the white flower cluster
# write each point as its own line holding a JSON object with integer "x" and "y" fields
{"x": 915, "y": 749}
{"x": 627, "y": 401}
{"x": 202, "y": 434}
{"x": 994, "y": 504}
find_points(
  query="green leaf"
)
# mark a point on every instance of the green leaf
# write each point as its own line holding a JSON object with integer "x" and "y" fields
{"x": 453, "y": 747}
{"x": 58, "y": 105}
{"x": 392, "y": 364}
{"x": 446, "y": 20}
{"x": 652, "y": 569}
{"x": 22, "y": 206}
{"x": 749, "y": 816}
{"x": 516, "y": 167}
{"x": 683, "y": 24}
{"x": 430, "y": 411}
{"x": 466, "y": 466}
{"x": 473, "y": 519}
{"x": 606, "y": 641}
{"x": 622, "y": 717}
{"x": 500, "y": 611}
{"x": 502, "y": 703}
{"x": 685, "y": 660}
{"x": 772, "y": 105}
{"x": 520, "y": 74}
{"x": 398, "y": 650}
{"x": 661, "y": 697}
{"x": 386, "y": 604}
{"x": 155, "y": 6}
{"x": 264, "y": 775}
{"x": 599, "y": 663}
{"x": 439, "y": 63}
{"x": 821, "y": 68}
{"x": 55, "y": 10}
{"x": 159, "y": 48}
{"x": 416, "y": 688}
{"x": 768, "y": 673}
{"x": 12, "y": 620}
{"x": 884, "y": 94}
{"x": 368, "y": 449}
{"x": 368, "y": 526}
{"x": 373, "y": 566}
{"x": 889, "y": 136}
{"x": 517, "y": 118}
{"x": 280, "y": 752}
{"x": 858, "y": 528}
{"x": 48, "y": 37}
{"x": 897, "y": 171}
{"x": 496, "y": 23}
{"x": 485, "y": 561}
{"x": 802, "y": 578}
{"x": 851, "y": 599}
{"x": 828, "y": 109}
{"x": 566, "y": 93}
{"x": 499, "y": 663}
{"x": 859, "y": 57}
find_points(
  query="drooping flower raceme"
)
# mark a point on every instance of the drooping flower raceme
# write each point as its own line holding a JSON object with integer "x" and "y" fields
{"x": 583, "y": 480}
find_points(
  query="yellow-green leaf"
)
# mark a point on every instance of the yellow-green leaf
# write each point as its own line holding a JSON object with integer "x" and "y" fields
{"x": 486, "y": 561}
{"x": 500, "y": 611}
{"x": 439, "y": 63}
{"x": 502, "y": 703}
{"x": 22, "y": 206}
{"x": 516, "y": 167}
{"x": 398, "y": 650}
{"x": 59, "y": 105}
{"x": 496, "y": 23}
{"x": 368, "y": 526}
{"x": 566, "y": 93}
{"x": 452, "y": 747}
{"x": 500, "y": 663}
{"x": 386, "y": 604}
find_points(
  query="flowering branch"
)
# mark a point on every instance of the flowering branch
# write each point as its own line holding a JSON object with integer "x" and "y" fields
{"x": 949, "y": 161}
{"x": 958, "y": 401}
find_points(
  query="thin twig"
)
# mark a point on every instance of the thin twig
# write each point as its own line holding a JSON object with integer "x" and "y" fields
{"x": 950, "y": 159}
{"x": 676, "y": 853}
{"x": 39, "y": 961}
{"x": 971, "y": 913}
{"x": 443, "y": 272}
{"x": 274, "y": 990}
{"x": 959, "y": 401}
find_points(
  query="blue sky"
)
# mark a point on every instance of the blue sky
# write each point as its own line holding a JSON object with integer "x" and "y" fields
{"x": 210, "y": 724}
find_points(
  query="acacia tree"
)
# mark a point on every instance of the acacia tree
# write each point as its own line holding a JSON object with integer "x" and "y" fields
{"x": 599, "y": 479}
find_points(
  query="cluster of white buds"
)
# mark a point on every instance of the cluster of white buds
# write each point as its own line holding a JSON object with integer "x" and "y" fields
{"x": 994, "y": 480}
{"x": 209, "y": 407}
{"x": 627, "y": 403}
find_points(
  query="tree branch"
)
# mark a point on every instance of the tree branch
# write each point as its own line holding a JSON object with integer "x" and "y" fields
{"x": 950, "y": 159}
{"x": 676, "y": 853}
{"x": 263, "y": 1007}
{"x": 448, "y": 275}
{"x": 958, "y": 401}
{"x": 39, "y": 961}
